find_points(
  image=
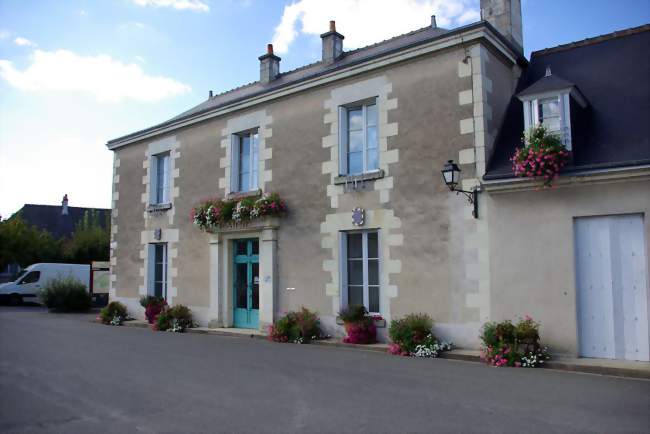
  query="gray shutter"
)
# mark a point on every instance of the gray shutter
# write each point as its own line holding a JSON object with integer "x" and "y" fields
{"x": 343, "y": 267}
{"x": 153, "y": 179}
{"x": 234, "y": 163}
{"x": 151, "y": 263}
{"x": 343, "y": 141}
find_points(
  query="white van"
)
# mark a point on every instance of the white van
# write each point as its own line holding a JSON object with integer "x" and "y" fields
{"x": 32, "y": 279}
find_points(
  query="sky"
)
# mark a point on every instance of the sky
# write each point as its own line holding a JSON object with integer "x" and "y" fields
{"x": 77, "y": 73}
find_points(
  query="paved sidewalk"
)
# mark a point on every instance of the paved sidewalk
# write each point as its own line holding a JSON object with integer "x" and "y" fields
{"x": 618, "y": 368}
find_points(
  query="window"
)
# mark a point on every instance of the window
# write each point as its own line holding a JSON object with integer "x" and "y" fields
{"x": 551, "y": 111}
{"x": 158, "y": 270}
{"x": 359, "y": 139}
{"x": 245, "y": 165}
{"x": 32, "y": 277}
{"x": 548, "y": 110}
{"x": 160, "y": 180}
{"x": 360, "y": 277}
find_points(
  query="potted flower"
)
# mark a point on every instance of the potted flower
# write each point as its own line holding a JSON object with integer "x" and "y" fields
{"x": 542, "y": 156}
{"x": 152, "y": 306}
{"x": 359, "y": 325}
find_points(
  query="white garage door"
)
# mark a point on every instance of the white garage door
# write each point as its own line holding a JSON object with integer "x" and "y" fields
{"x": 612, "y": 287}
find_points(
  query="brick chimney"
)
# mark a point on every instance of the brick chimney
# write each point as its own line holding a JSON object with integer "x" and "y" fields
{"x": 505, "y": 16}
{"x": 64, "y": 205}
{"x": 332, "y": 44}
{"x": 269, "y": 65}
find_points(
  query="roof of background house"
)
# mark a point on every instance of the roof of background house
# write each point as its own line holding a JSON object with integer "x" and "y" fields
{"x": 50, "y": 219}
{"x": 612, "y": 72}
{"x": 348, "y": 58}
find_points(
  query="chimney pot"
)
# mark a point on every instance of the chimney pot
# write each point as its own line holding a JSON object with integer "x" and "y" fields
{"x": 210, "y": 94}
{"x": 269, "y": 49}
{"x": 332, "y": 26}
{"x": 434, "y": 25}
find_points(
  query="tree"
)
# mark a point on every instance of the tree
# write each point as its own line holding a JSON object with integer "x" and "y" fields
{"x": 25, "y": 244}
{"x": 90, "y": 241}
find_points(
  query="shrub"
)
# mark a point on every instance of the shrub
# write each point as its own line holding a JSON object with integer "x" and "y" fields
{"x": 410, "y": 331}
{"x": 114, "y": 313}
{"x": 65, "y": 295}
{"x": 359, "y": 325}
{"x": 297, "y": 327}
{"x": 508, "y": 344}
{"x": 174, "y": 319}
{"x": 152, "y": 306}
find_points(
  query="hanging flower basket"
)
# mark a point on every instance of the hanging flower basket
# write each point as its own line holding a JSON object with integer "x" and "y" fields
{"x": 542, "y": 156}
{"x": 214, "y": 213}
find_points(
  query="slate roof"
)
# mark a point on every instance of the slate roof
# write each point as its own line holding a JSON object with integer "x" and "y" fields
{"x": 349, "y": 58}
{"x": 613, "y": 74}
{"x": 547, "y": 84}
{"x": 49, "y": 218}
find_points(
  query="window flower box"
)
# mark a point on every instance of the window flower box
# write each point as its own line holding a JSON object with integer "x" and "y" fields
{"x": 217, "y": 214}
{"x": 542, "y": 156}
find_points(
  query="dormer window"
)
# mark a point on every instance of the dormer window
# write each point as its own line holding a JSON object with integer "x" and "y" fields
{"x": 547, "y": 102}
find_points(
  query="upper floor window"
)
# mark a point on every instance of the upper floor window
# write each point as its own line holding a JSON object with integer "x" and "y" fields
{"x": 360, "y": 269}
{"x": 245, "y": 164}
{"x": 359, "y": 140}
{"x": 551, "y": 111}
{"x": 160, "y": 180}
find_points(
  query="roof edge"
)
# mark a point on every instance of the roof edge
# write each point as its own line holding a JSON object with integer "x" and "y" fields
{"x": 179, "y": 122}
{"x": 593, "y": 40}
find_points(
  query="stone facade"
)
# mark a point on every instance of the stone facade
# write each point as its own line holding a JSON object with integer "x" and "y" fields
{"x": 434, "y": 104}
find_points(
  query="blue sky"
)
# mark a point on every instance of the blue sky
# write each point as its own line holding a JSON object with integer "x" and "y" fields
{"x": 74, "y": 74}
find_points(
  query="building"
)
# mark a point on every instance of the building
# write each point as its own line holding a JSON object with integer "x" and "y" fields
{"x": 58, "y": 221}
{"x": 354, "y": 144}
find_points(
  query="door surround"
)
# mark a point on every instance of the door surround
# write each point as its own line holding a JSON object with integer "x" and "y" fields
{"x": 221, "y": 271}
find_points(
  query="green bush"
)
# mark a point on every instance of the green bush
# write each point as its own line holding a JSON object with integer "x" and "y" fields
{"x": 411, "y": 331}
{"x": 354, "y": 313}
{"x": 147, "y": 300}
{"x": 176, "y": 319}
{"x": 114, "y": 310}
{"x": 299, "y": 327}
{"x": 65, "y": 295}
{"x": 508, "y": 344}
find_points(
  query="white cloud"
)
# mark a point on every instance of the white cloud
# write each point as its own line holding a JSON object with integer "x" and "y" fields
{"x": 364, "y": 22}
{"x": 102, "y": 76}
{"x": 140, "y": 59}
{"x": 193, "y": 5}
{"x": 24, "y": 42}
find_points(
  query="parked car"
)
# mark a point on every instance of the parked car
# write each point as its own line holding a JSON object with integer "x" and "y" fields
{"x": 32, "y": 279}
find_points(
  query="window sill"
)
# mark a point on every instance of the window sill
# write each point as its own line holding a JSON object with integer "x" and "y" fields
{"x": 158, "y": 207}
{"x": 350, "y": 179}
{"x": 244, "y": 194}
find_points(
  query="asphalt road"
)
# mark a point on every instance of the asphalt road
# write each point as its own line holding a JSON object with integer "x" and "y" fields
{"x": 63, "y": 373}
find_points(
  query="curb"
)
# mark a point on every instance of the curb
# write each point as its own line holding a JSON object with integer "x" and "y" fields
{"x": 466, "y": 356}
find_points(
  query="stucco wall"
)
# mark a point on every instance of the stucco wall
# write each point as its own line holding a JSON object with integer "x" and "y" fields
{"x": 426, "y": 228}
{"x": 532, "y": 262}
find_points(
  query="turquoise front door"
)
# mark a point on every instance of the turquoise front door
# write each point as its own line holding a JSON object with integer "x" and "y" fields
{"x": 246, "y": 283}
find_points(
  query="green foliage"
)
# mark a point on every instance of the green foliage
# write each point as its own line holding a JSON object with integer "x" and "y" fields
{"x": 147, "y": 300}
{"x": 26, "y": 244}
{"x": 354, "y": 313}
{"x": 65, "y": 295}
{"x": 508, "y": 344}
{"x": 176, "y": 318}
{"x": 411, "y": 331}
{"x": 298, "y": 327}
{"x": 114, "y": 309}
